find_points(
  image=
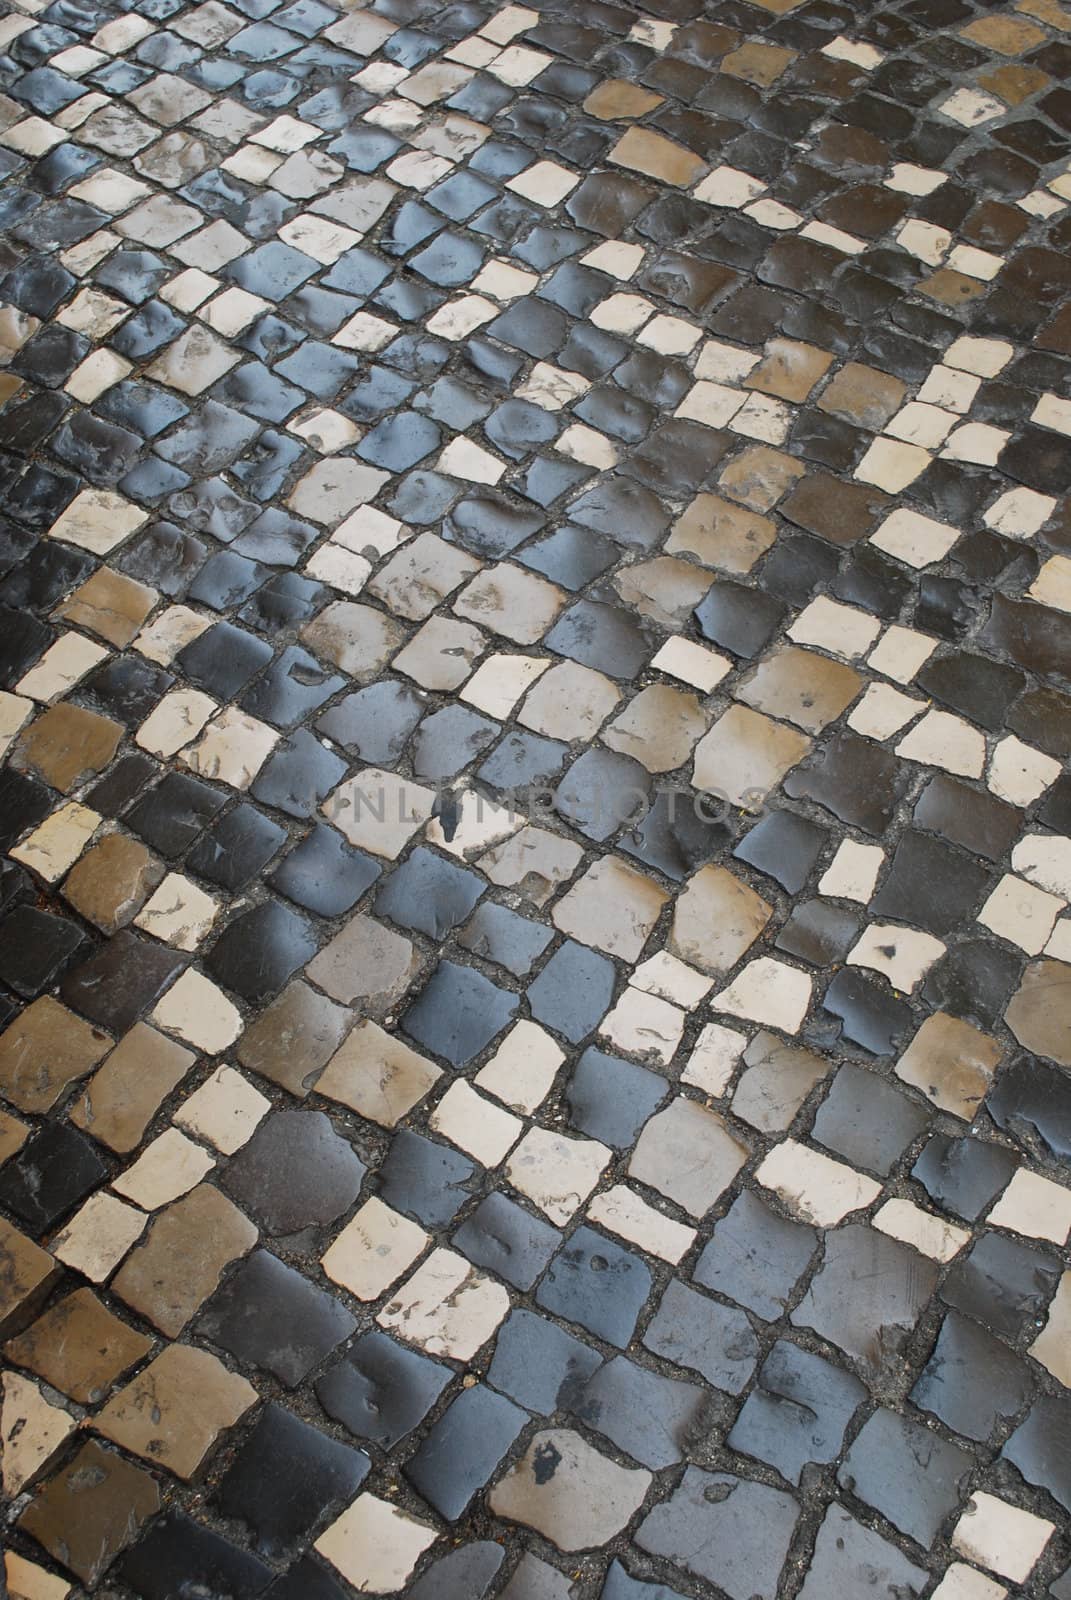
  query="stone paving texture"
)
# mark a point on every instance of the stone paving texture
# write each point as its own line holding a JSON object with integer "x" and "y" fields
{"x": 535, "y": 692}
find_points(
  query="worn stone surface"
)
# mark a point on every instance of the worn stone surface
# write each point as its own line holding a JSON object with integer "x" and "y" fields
{"x": 535, "y": 624}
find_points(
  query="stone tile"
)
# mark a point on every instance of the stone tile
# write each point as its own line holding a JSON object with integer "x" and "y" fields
{"x": 1000, "y": 1536}
{"x": 902, "y": 1470}
{"x": 44, "y": 1051}
{"x": 111, "y": 882}
{"x": 33, "y": 1432}
{"x": 634, "y": 512}
{"x": 375, "y": 1545}
{"x": 446, "y": 1307}
{"x": 850, "y": 1556}
{"x": 745, "y": 755}
{"x": 688, "y": 1154}
{"x": 569, "y": 1492}
{"x": 268, "y": 1315}
{"x": 643, "y": 150}
{"x": 801, "y": 687}
{"x": 166, "y": 1168}
{"x": 377, "y": 1075}
{"x": 611, "y": 907}
{"x": 598, "y": 1285}
{"x": 128, "y": 1088}
{"x": 79, "y": 1347}
{"x": 751, "y": 1526}
{"x": 110, "y": 605}
{"x": 867, "y": 1296}
{"x": 87, "y": 1514}
{"x": 952, "y": 1063}
{"x": 67, "y": 745}
{"x": 224, "y": 1111}
{"x": 98, "y": 1236}
{"x": 287, "y": 1477}
{"x": 293, "y": 1039}
{"x": 185, "y": 1252}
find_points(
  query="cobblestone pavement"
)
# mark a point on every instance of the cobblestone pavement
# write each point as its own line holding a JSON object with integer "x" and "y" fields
{"x": 535, "y": 570}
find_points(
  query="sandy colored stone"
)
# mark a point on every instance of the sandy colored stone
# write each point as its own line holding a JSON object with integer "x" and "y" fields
{"x": 181, "y": 1259}
{"x": 789, "y": 369}
{"x": 27, "y": 1273}
{"x": 665, "y": 589}
{"x": 447, "y": 1307}
{"x": 195, "y": 360}
{"x": 760, "y": 64}
{"x": 616, "y": 100}
{"x": 378, "y": 1075}
{"x": 952, "y": 1063}
{"x": 57, "y": 842}
{"x": 768, "y": 991}
{"x": 1014, "y": 84}
{"x": 759, "y": 476}
{"x": 109, "y": 605}
{"x": 79, "y": 1347}
{"x": 374, "y": 1545}
{"x": 46, "y": 1048}
{"x": 420, "y": 575}
{"x": 801, "y": 687}
{"x": 863, "y": 395}
{"x": 1051, "y": 12}
{"x": 112, "y": 881}
{"x": 366, "y": 964}
{"x": 951, "y": 288}
{"x": 569, "y": 1492}
{"x": 28, "y": 1581}
{"x": 174, "y": 721}
{"x": 91, "y": 1511}
{"x": 534, "y": 862}
{"x": 727, "y": 537}
{"x": 125, "y": 1093}
{"x": 776, "y": 1080}
{"x": 232, "y": 748}
{"x": 99, "y": 1235}
{"x": 442, "y": 653}
{"x": 642, "y": 150}
{"x": 168, "y": 1167}
{"x": 612, "y": 907}
{"x": 13, "y": 1135}
{"x": 716, "y": 919}
{"x": 659, "y": 728}
{"x": 294, "y": 1038}
{"x": 1008, "y": 36}
{"x": 32, "y": 1432}
{"x": 568, "y": 702}
{"x": 373, "y": 1250}
{"x": 506, "y": 600}
{"x": 379, "y": 811}
{"x": 175, "y": 1410}
{"x": 357, "y": 639}
{"x": 813, "y": 1185}
{"x": 179, "y": 913}
{"x": 555, "y": 1172}
{"x": 745, "y": 755}
{"x": 1052, "y": 1347}
{"x": 98, "y": 520}
{"x": 199, "y": 1012}
{"x": 1039, "y": 1013}
{"x": 67, "y": 745}
{"x": 224, "y": 1112}
{"x": 643, "y": 1024}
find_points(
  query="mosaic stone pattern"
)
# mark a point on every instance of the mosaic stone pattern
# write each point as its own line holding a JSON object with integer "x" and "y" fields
{"x": 535, "y": 924}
